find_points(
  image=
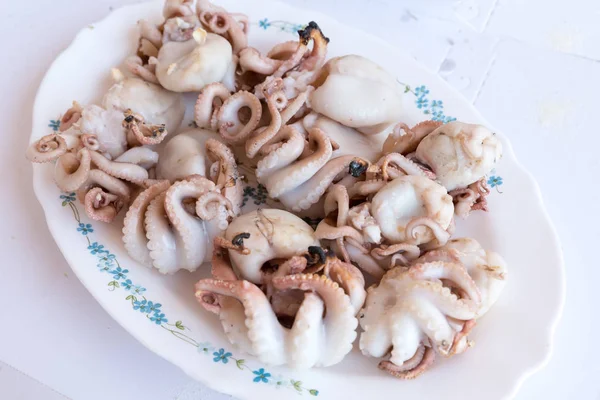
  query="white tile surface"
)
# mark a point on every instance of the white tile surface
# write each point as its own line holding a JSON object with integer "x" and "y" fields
{"x": 510, "y": 57}
{"x": 564, "y": 26}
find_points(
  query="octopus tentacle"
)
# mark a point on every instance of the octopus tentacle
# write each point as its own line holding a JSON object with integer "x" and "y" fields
{"x": 71, "y": 171}
{"x": 289, "y": 147}
{"x": 102, "y": 206}
{"x": 231, "y": 129}
{"x": 339, "y": 317}
{"x": 126, "y": 171}
{"x": 141, "y": 133}
{"x": 273, "y": 95}
{"x": 227, "y": 179}
{"x": 142, "y": 156}
{"x": 70, "y": 117}
{"x": 405, "y": 165}
{"x": 134, "y": 233}
{"x": 441, "y": 235}
{"x": 412, "y": 368}
{"x": 407, "y": 142}
{"x": 47, "y": 148}
{"x": 213, "y": 205}
{"x": 291, "y": 177}
{"x": 188, "y": 230}
{"x": 208, "y": 104}
{"x": 264, "y": 330}
{"x": 349, "y": 278}
{"x": 98, "y": 178}
{"x": 232, "y": 26}
{"x": 307, "y": 194}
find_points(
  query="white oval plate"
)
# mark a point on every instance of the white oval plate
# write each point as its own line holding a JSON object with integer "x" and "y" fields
{"x": 512, "y": 341}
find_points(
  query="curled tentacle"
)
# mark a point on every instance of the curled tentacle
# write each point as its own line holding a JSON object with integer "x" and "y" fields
{"x": 210, "y": 100}
{"x": 413, "y": 367}
{"x": 441, "y": 234}
{"x": 401, "y": 253}
{"x": 140, "y": 133}
{"x": 227, "y": 179}
{"x": 275, "y": 100}
{"x": 134, "y": 232}
{"x": 71, "y": 171}
{"x": 404, "y": 166}
{"x": 214, "y": 205}
{"x": 127, "y": 171}
{"x": 102, "y": 206}
{"x": 233, "y": 26}
{"x": 404, "y": 140}
{"x": 72, "y": 115}
{"x": 47, "y": 148}
{"x": 231, "y": 128}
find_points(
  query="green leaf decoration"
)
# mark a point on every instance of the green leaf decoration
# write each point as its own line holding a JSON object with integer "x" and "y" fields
{"x": 297, "y": 385}
{"x": 179, "y": 325}
{"x": 114, "y": 284}
{"x": 407, "y": 89}
{"x": 129, "y": 297}
{"x": 313, "y": 392}
{"x": 64, "y": 203}
{"x": 240, "y": 363}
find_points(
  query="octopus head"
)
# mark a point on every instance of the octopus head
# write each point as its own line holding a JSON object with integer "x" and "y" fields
{"x": 412, "y": 209}
{"x": 357, "y": 93}
{"x": 190, "y": 65}
{"x": 459, "y": 153}
{"x": 155, "y": 104}
{"x": 263, "y": 239}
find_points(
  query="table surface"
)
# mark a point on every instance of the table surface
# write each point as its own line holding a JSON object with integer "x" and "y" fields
{"x": 532, "y": 68}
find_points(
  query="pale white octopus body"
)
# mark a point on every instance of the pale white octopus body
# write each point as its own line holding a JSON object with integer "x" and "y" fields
{"x": 324, "y": 323}
{"x": 155, "y": 104}
{"x": 487, "y": 268}
{"x": 274, "y": 234}
{"x": 431, "y": 306}
{"x": 191, "y": 65}
{"x": 459, "y": 154}
{"x": 404, "y": 215}
{"x": 171, "y": 226}
{"x": 185, "y": 155}
{"x": 358, "y": 93}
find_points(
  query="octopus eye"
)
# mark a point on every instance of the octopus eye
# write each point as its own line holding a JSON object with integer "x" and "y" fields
{"x": 316, "y": 255}
{"x": 238, "y": 240}
{"x": 357, "y": 168}
{"x": 129, "y": 118}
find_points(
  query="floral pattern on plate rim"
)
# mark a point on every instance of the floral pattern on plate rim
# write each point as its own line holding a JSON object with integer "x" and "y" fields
{"x": 108, "y": 263}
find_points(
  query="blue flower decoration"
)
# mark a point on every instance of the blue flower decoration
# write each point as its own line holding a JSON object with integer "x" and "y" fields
{"x": 222, "y": 356}
{"x": 264, "y": 23}
{"x": 119, "y": 273}
{"x": 108, "y": 259}
{"x": 104, "y": 267}
{"x": 54, "y": 124}
{"x": 96, "y": 248}
{"x": 67, "y": 198}
{"x": 141, "y": 305}
{"x": 205, "y": 347}
{"x": 261, "y": 376}
{"x": 494, "y": 181}
{"x": 127, "y": 285}
{"x": 137, "y": 289}
{"x": 153, "y": 307}
{"x": 158, "y": 318}
{"x": 437, "y": 104}
{"x": 85, "y": 228}
{"x": 422, "y": 102}
{"x": 421, "y": 91}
